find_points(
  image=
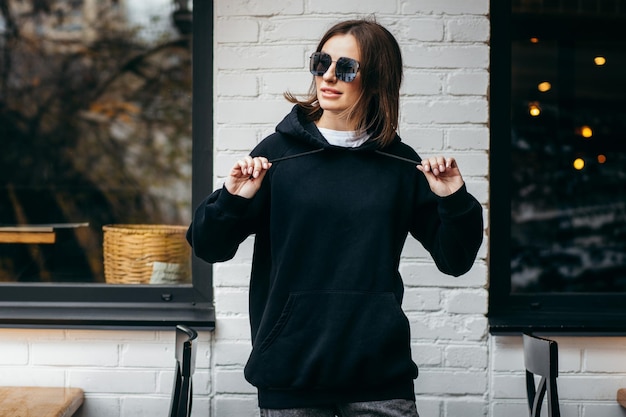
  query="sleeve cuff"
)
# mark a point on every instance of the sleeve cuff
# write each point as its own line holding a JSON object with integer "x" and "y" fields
{"x": 456, "y": 204}
{"x": 230, "y": 204}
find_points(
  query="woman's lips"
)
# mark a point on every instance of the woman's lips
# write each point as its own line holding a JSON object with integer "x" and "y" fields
{"x": 330, "y": 92}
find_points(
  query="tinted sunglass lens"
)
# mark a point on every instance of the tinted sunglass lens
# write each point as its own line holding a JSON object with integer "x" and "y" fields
{"x": 320, "y": 63}
{"x": 346, "y": 69}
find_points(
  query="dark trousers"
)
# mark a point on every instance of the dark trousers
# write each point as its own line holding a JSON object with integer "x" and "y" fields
{"x": 389, "y": 408}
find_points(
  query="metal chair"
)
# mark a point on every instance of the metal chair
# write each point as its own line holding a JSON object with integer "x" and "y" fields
{"x": 180, "y": 405}
{"x": 541, "y": 358}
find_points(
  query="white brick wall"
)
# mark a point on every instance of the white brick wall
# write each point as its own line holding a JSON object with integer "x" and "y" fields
{"x": 123, "y": 373}
{"x": 261, "y": 49}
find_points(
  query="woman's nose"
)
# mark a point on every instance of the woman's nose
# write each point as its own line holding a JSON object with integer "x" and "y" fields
{"x": 329, "y": 75}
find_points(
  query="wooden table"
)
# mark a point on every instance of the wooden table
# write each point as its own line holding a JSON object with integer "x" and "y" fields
{"x": 38, "y": 233}
{"x": 39, "y": 401}
{"x": 621, "y": 397}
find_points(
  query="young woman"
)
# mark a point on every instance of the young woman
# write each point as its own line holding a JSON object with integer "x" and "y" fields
{"x": 331, "y": 197}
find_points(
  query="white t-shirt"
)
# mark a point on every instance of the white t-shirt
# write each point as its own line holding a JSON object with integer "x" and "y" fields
{"x": 344, "y": 138}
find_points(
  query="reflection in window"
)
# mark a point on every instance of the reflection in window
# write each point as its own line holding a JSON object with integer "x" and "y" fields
{"x": 568, "y": 173}
{"x": 95, "y": 129}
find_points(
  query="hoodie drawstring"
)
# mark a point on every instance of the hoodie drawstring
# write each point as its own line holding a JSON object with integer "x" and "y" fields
{"x": 297, "y": 155}
{"x": 390, "y": 155}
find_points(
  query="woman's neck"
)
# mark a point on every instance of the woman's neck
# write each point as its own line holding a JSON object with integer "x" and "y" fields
{"x": 335, "y": 122}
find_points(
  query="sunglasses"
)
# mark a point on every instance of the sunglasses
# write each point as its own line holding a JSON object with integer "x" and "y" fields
{"x": 345, "y": 68}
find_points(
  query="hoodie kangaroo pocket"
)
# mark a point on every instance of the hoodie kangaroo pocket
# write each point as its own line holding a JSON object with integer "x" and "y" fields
{"x": 330, "y": 340}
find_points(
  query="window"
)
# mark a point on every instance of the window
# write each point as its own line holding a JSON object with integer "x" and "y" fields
{"x": 558, "y": 166}
{"x": 97, "y": 132}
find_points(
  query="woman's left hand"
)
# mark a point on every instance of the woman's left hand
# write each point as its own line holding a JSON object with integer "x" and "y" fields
{"x": 442, "y": 174}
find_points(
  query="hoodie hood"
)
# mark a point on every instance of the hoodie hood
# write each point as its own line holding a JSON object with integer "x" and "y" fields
{"x": 296, "y": 125}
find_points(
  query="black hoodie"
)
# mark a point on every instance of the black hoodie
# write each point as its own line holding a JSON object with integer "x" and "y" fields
{"x": 325, "y": 292}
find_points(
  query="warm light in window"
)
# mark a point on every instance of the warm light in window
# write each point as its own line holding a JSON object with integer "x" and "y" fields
{"x": 544, "y": 86}
{"x": 599, "y": 60}
{"x": 579, "y": 164}
{"x": 586, "y": 132}
{"x": 534, "y": 40}
{"x": 534, "y": 109}
{"x": 601, "y": 159}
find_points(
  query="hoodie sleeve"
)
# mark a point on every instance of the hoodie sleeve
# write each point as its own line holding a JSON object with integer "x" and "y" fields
{"x": 219, "y": 225}
{"x": 450, "y": 228}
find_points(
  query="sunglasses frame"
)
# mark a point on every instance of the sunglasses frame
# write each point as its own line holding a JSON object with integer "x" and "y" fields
{"x": 341, "y": 64}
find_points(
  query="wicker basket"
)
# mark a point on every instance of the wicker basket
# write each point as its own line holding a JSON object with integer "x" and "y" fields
{"x": 133, "y": 251}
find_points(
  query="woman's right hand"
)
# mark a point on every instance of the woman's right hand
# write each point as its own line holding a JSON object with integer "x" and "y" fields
{"x": 246, "y": 176}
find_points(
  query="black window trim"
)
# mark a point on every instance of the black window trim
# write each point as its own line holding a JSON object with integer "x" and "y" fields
{"x": 120, "y": 306}
{"x": 572, "y": 314}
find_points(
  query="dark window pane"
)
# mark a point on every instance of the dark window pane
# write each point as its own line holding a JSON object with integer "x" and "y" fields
{"x": 568, "y": 149}
{"x": 95, "y": 126}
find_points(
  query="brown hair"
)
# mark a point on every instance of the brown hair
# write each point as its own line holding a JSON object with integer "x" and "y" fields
{"x": 377, "y": 109}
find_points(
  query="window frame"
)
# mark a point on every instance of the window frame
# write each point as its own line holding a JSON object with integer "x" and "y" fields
{"x": 564, "y": 313}
{"x": 144, "y": 306}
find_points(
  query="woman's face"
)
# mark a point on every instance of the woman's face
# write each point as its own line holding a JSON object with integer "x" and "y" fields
{"x": 336, "y": 96}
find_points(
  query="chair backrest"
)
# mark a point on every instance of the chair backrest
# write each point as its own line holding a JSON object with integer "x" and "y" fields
{"x": 180, "y": 405}
{"x": 541, "y": 359}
